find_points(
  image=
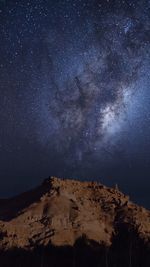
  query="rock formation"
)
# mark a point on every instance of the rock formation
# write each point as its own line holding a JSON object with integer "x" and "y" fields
{"x": 84, "y": 223}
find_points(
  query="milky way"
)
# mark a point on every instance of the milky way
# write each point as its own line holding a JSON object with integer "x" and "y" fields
{"x": 75, "y": 88}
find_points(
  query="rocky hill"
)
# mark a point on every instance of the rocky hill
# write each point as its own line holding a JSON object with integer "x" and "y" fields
{"x": 73, "y": 223}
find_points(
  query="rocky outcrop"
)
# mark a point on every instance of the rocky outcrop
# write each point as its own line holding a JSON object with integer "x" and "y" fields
{"x": 70, "y": 214}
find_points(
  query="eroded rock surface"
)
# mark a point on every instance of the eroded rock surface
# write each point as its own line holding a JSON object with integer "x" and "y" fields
{"x": 68, "y": 223}
{"x": 59, "y": 212}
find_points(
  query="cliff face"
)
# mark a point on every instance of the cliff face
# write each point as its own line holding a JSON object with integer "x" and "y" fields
{"x": 62, "y": 213}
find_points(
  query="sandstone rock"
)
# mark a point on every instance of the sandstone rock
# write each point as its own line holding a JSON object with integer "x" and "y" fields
{"x": 59, "y": 212}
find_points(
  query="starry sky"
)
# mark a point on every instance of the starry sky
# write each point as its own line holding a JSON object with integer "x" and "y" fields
{"x": 75, "y": 93}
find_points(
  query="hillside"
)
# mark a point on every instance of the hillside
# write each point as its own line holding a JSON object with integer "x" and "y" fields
{"x": 63, "y": 217}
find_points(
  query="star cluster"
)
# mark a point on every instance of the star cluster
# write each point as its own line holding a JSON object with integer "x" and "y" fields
{"x": 74, "y": 90}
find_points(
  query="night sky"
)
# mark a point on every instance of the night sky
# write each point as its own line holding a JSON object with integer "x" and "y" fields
{"x": 75, "y": 93}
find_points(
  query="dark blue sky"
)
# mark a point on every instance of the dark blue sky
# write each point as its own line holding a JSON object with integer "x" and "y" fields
{"x": 75, "y": 93}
